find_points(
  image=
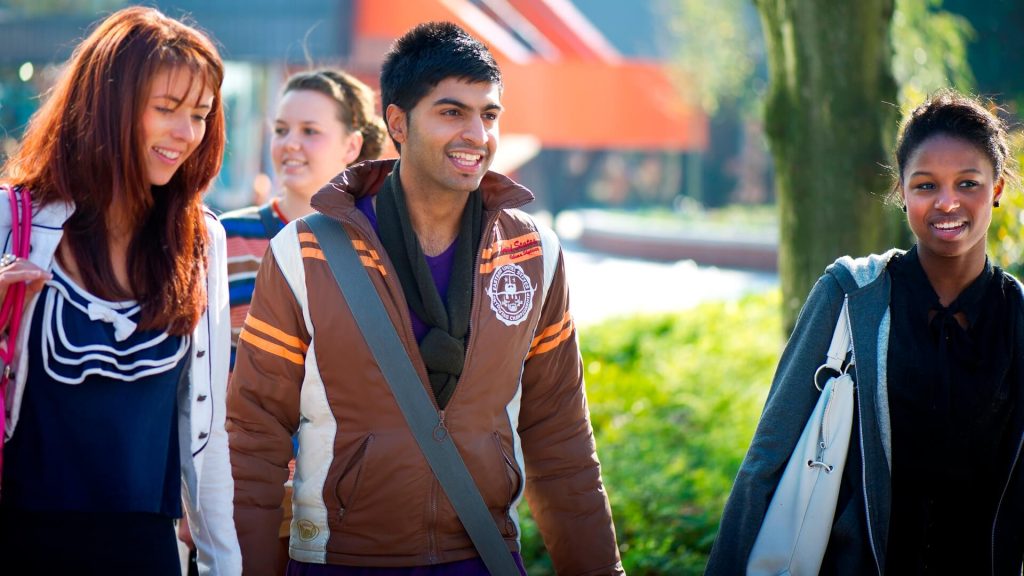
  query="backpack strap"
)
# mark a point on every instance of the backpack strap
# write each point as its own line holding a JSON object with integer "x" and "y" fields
{"x": 271, "y": 223}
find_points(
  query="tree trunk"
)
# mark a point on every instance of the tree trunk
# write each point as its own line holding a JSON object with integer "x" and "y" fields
{"x": 831, "y": 119}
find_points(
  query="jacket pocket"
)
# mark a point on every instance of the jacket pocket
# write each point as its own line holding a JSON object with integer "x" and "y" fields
{"x": 347, "y": 488}
{"x": 514, "y": 482}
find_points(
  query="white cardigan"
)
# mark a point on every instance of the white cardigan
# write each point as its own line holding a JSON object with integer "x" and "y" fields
{"x": 207, "y": 486}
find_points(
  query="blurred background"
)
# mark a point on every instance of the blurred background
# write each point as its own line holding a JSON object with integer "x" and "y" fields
{"x": 702, "y": 162}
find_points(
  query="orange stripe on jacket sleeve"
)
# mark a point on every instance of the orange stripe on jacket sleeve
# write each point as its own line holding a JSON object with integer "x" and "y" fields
{"x": 313, "y": 253}
{"x": 360, "y": 245}
{"x": 270, "y": 347}
{"x": 371, "y": 263}
{"x": 366, "y": 260}
{"x": 282, "y": 336}
{"x": 564, "y": 335}
{"x": 551, "y": 330}
{"x": 357, "y": 244}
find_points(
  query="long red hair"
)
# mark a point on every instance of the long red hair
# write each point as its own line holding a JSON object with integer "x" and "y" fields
{"x": 84, "y": 146}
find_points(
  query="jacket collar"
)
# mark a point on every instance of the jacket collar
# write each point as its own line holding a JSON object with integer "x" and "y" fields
{"x": 366, "y": 178}
{"x": 52, "y": 215}
{"x": 867, "y": 269}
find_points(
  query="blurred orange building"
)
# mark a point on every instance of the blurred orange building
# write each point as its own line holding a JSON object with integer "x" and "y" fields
{"x": 565, "y": 83}
{"x": 574, "y": 103}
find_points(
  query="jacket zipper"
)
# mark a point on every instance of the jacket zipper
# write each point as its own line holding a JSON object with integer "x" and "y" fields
{"x": 432, "y": 552}
{"x": 995, "y": 521}
{"x": 441, "y": 428}
{"x": 510, "y": 527}
{"x": 864, "y": 480}
{"x": 863, "y": 457}
{"x": 353, "y": 466}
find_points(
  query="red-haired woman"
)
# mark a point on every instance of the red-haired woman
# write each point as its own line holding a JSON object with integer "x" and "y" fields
{"x": 117, "y": 402}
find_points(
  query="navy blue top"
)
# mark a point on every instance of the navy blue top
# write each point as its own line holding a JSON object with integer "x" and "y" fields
{"x": 98, "y": 429}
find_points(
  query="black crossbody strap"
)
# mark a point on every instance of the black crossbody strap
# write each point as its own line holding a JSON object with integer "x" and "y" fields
{"x": 412, "y": 397}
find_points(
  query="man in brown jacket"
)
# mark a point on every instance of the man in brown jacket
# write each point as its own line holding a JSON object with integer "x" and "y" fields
{"x": 476, "y": 291}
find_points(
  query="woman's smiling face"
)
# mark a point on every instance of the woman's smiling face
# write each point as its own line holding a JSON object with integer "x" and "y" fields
{"x": 948, "y": 187}
{"x": 173, "y": 122}
{"x": 310, "y": 145}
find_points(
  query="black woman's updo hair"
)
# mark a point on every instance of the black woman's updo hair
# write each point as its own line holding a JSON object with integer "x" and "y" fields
{"x": 949, "y": 113}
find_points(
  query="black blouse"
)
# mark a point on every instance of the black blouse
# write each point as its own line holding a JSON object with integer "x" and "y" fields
{"x": 950, "y": 404}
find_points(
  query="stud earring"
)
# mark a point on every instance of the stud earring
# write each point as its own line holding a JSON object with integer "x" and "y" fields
{"x": 904, "y": 208}
{"x": 995, "y": 204}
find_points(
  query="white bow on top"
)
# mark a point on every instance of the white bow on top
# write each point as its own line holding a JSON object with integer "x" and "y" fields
{"x": 123, "y": 327}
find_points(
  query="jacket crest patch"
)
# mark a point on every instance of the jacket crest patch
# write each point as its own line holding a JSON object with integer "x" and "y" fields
{"x": 511, "y": 293}
{"x": 307, "y": 530}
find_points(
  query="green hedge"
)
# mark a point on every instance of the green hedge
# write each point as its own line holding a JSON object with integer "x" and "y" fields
{"x": 674, "y": 401}
{"x": 1006, "y": 234}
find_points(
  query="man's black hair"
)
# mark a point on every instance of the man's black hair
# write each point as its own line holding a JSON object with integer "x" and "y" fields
{"x": 426, "y": 55}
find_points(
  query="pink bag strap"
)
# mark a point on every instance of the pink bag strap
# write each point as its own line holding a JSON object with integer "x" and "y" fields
{"x": 14, "y": 301}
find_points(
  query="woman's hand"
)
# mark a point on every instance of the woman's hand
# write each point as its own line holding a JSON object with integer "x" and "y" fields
{"x": 21, "y": 270}
{"x": 185, "y": 533}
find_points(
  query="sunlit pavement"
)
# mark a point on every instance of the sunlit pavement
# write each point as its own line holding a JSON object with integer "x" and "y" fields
{"x": 603, "y": 287}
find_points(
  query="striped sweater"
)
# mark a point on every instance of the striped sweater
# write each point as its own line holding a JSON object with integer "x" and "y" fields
{"x": 249, "y": 231}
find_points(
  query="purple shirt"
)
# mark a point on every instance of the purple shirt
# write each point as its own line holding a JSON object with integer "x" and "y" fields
{"x": 440, "y": 267}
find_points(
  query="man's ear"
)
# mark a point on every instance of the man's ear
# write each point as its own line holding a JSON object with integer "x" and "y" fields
{"x": 398, "y": 123}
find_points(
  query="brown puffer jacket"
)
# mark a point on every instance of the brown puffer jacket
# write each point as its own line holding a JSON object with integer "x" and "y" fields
{"x": 364, "y": 494}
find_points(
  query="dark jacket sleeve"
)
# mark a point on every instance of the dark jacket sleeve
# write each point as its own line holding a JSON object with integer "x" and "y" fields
{"x": 791, "y": 400}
